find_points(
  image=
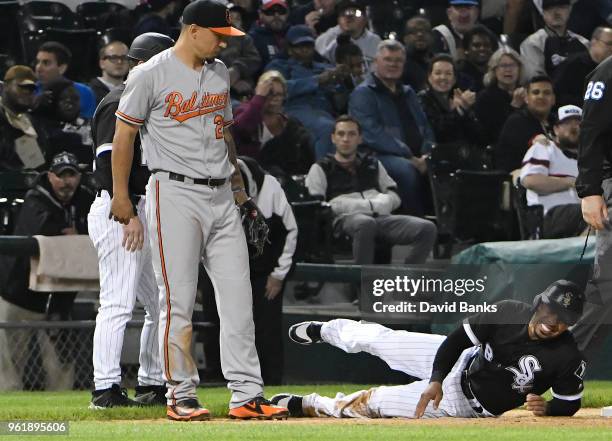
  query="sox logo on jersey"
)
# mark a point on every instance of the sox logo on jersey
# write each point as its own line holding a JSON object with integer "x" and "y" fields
{"x": 523, "y": 378}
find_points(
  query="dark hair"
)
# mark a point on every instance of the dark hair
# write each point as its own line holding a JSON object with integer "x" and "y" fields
{"x": 346, "y": 48}
{"x": 441, "y": 57}
{"x": 480, "y": 30}
{"x": 347, "y": 118}
{"x": 61, "y": 52}
{"x": 538, "y": 79}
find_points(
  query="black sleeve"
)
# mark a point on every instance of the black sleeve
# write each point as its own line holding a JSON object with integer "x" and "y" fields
{"x": 439, "y": 43}
{"x": 448, "y": 353}
{"x": 568, "y": 388}
{"x": 594, "y": 130}
{"x": 556, "y": 407}
{"x": 103, "y": 130}
{"x": 103, "y": 126}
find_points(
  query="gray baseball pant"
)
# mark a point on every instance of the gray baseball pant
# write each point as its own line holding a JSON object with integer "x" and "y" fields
{"x": 186, "y": 221}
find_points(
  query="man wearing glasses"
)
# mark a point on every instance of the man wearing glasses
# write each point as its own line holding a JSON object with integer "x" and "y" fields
{"x": 269, "y": 30}
{"x": 114, "y": 66}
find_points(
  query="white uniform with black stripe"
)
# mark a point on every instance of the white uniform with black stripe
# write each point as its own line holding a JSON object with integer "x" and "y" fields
{"x": 504, "y": 365}
{"x": 409, "y": 352}
{"x": 182, "y": 113}
{"x": 124, "y": 276}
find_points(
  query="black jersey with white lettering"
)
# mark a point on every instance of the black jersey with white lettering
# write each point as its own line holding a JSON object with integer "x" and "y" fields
{"x": 510, "y": 365}
{"x": 103, "y": 131}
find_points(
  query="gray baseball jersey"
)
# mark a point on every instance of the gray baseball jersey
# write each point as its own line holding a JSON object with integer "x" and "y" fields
{"x": 165, "y": 96}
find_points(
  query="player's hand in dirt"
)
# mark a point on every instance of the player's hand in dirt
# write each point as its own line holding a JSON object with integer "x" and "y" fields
{"x": 133, "y": 235}
{"x": 432, "y": 392}
{"x": 595, "y": 211}
{"x": 122, "y": 210}
{"x": 536, "y": 404}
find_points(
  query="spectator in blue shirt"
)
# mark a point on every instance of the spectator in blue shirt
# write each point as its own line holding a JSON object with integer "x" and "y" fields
{"x": 394, "y": 124}
{"x": 52, "y": 61}
{"x": 310, "y": 85}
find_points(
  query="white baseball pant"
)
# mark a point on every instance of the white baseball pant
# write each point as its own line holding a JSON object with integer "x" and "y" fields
{"x": 124, "y": 277}
{"x": 409, "y": 352}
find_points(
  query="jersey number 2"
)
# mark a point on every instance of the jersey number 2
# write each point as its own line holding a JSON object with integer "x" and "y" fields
{"x": 218, "y": 126}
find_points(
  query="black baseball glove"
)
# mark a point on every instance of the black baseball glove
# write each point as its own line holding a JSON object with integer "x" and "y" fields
{"x": 255, "y": 226}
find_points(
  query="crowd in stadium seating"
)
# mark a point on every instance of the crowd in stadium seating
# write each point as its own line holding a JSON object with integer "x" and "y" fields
{"x": 436, "y": 85}
{"x": 405, "y": 116}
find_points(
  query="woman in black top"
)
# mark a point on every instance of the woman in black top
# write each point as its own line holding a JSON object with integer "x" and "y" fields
{"x": 502, "y": 93}
{"x": 449, "y": 109}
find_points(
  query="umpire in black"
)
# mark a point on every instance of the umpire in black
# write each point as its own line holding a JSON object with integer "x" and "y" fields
{"x": 594, "y": 186}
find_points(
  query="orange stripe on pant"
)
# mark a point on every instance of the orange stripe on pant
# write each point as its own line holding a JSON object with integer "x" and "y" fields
{"x": 163, "y": 267}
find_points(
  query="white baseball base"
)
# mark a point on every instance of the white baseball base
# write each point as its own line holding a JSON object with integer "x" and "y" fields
{"x": 606, "y": 411}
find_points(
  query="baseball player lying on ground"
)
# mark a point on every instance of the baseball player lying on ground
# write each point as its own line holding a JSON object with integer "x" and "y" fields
{"x": 482, "y": 369}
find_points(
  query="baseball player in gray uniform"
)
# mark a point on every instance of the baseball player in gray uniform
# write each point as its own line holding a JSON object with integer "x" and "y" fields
{"x": 179, "y": 101}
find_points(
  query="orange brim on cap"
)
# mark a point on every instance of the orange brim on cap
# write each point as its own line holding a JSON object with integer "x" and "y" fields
{"x": 228, "y": 30}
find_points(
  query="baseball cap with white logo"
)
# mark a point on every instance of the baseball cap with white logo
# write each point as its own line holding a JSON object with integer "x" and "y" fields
{"x": 211, "y": 14}
{"x": 569, "y": 111}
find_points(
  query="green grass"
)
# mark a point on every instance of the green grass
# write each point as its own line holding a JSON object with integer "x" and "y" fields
{"x": 115, "y": 424}
{"x": 265, "y": 431}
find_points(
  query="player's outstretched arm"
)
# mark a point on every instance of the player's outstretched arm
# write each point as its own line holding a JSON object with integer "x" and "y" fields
{"x": 123, "y": 153}
{"x": 555, "y": 407}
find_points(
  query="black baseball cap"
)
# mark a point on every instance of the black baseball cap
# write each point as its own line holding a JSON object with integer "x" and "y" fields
{"x": 551, "y": 3}
{"x": 210, "y": 14}
{"x": 299, "y": 34}
{"x": 64, "y": 161}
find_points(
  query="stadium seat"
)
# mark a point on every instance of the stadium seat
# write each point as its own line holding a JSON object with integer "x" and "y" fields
{"x": 38, "y": 16}
{"x": 81, "y": 42}
{"x": 99, "y": 16}
{"x": 467, "y": 196}
{"x": 13, "y": 187}
{"x": 530, "y": 217}
{"x": 10, "y": 44}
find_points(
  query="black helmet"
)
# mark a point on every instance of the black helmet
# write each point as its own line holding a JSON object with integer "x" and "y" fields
{"x": 149, "y": 44}
{"x": 565, "y": 298}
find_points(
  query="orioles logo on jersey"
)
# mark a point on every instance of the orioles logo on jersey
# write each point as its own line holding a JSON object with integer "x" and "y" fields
{"x": 524, "y": 376}
{"x": 181, "y": 109}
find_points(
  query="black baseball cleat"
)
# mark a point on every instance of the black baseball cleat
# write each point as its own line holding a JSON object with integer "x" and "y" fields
{"x": 151, "y": 395}
{"x": 115, "y": 396}
{"x": 187, "y": 410}
{"x": 291, "y": 402}
{"x": 306, "y": 333}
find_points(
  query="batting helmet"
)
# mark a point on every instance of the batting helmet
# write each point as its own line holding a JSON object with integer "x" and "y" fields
{"x": 565, "y": 298}
{"x": 149, "y": 44}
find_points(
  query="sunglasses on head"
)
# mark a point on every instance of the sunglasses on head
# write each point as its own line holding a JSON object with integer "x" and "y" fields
{"x": 277, "y": 10}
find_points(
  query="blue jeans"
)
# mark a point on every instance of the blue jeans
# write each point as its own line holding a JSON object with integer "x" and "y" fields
{"x": 320, "y": 124}
{"x": 408, "y": 180}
